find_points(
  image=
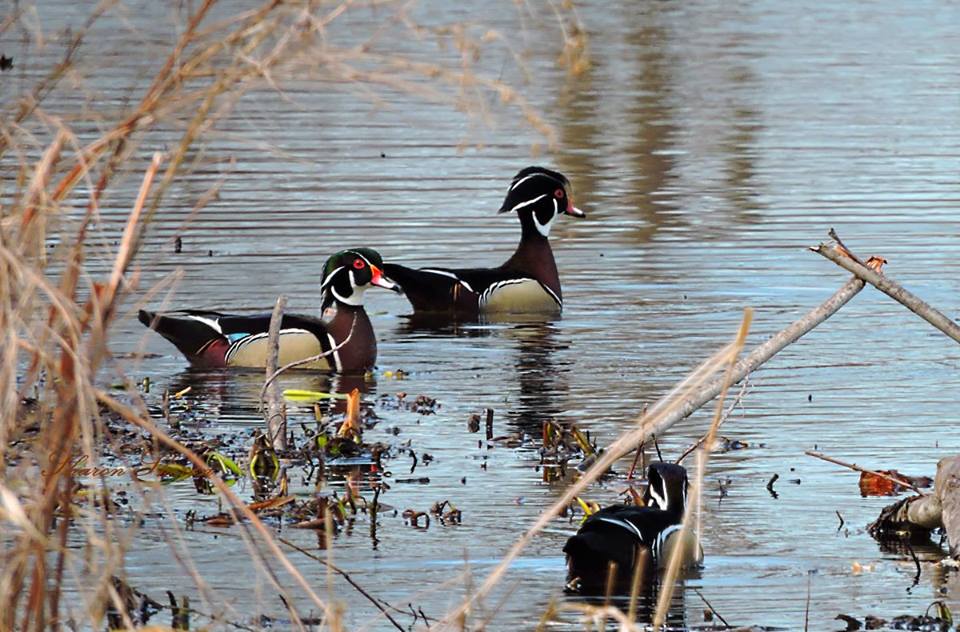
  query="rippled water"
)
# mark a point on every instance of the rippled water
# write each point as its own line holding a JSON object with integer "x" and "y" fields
{"x": 709, "y": 143}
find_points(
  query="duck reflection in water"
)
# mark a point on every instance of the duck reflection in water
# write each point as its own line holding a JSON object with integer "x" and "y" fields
{"x": 541, "y": 377}
{"x": 231, "y": 396}
{"x": 542, "y": 380}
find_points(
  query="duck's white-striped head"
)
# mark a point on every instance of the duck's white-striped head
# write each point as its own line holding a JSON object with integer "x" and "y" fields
{"x": 667, "y": 487}
{"x": 538, "y": 195}
{"x": 348, "y": 274}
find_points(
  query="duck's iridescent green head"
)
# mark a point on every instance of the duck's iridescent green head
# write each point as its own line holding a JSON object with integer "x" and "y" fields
{"x": 348, "y": 274}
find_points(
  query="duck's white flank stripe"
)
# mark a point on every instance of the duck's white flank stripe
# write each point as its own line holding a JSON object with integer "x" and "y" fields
{"x": 552, "y": 294}
{"x": 629, "y": 526}
{"x": 499, "y": 284}
{"x": 243, "y": 342}
{"x": 662, "y": 538}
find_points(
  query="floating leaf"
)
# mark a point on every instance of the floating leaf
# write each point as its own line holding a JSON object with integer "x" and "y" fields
{"x": 941, "y": 611}
{"x": 220, "y": 520}
{"x": 588, "y": 508}
{"x": 263, "y": 459}
{"x": 298, "y": 395}
{"x": 272, "y": 503}
{"x": 873, "y": 485}
{"x": 582, "y": 441}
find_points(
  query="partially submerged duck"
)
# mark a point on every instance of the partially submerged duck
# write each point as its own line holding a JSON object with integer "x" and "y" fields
{"x": 528, "y": 282}
{"x": 628, "y": 535}
{"x": 213, "y": 339}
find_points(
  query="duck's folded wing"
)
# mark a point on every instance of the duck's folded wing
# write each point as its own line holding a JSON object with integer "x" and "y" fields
{"x": 216, "y": 339}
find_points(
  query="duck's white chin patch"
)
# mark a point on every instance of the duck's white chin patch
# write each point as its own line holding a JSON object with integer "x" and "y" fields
{"x": 355, "y": 299}
{"x": 544, "y": 229}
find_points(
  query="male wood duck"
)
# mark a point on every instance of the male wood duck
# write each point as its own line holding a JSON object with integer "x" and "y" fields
{"x": 628, "y": 534}
{"x": 527, "y": 283}
{"x": 213, "y": 339}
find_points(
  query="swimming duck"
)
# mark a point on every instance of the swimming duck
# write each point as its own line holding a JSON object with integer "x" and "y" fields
{"x": 629, "y": 534}
{"x": 527, "y": 282}
{"x": 213, "y": 339}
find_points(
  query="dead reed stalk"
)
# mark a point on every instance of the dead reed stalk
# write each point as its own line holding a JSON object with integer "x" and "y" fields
{"x": 677, "y": 555}
{"x": 276, "y": 413}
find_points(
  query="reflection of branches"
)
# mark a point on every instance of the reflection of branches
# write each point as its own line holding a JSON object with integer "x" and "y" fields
{"x": 29, "y": 103}
{"x": 278, "y": 41}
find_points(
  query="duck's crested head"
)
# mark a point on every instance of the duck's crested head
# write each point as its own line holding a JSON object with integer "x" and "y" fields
{"x": 539, "y": 195}
{"x": 348, "y": 273}
{"x": 667, "y": 487}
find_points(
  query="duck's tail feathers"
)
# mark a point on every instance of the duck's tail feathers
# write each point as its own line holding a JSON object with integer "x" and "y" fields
{"x": 196, "y": 334}
{"x": 590, "y": 554}
{"x": 427, "y": 290}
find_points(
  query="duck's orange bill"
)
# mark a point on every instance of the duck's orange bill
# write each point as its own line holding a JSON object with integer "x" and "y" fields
{"x": 382, "y": 281}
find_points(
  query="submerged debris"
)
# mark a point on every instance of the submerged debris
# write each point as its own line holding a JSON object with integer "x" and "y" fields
{"x": 880, "y": 483}
{"x": 421, "y": 404}
{"x": 136, "y": 606}
{"x": 942, "y": 621}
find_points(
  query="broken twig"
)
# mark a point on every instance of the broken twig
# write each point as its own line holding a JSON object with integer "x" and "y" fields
{"x": 291, "y": 365}
{"x": 888, "y": 286}
{"x": 857, "y": 468}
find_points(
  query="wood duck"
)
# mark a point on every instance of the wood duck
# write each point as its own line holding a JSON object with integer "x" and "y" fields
{"x": 528, "y": 281}
{"x": 213, "y": 339}
{"x": 628, "y": 534}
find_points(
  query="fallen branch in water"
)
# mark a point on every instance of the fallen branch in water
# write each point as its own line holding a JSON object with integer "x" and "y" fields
{"x": 928, "y": 511}
{"x": 840, "y": 255}
{"x": 857, "y": 468}
{"x": 698, "y": 388}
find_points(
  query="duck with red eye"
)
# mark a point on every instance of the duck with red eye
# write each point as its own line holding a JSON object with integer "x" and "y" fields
{"x": 344, "y": 332}
{"x": 528, "y": 282}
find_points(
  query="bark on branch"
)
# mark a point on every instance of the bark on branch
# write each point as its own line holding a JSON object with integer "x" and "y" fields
{"x": 918, "y": 515}
{"x": 276, "y": 411}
